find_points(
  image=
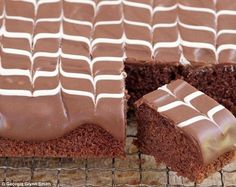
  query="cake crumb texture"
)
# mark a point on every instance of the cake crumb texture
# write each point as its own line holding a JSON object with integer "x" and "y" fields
{"x": 158, "y": 137}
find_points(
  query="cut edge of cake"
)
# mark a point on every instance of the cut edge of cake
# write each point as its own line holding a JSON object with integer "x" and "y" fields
{"x": 216, "y": 80}
{"x": 158, "y": 135}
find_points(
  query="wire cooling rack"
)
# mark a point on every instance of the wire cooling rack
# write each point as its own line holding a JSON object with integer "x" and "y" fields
{"x": 136, "y": 170}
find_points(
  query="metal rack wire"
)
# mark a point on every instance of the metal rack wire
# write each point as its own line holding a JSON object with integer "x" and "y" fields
{"x": 136, "y": 170}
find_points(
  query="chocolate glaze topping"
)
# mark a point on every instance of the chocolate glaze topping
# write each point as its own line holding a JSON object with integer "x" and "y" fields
{"x": 208, "y": 124}
{"x": 191, "y": 32}
{"x": 61, "y": 61}
{"x": 57, "y": 70}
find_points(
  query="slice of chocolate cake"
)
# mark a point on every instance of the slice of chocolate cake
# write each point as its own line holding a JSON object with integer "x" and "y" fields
{"x": 62, "y": 89}
{"x": 191, "y": 39}
{"x": 186, "y": 129}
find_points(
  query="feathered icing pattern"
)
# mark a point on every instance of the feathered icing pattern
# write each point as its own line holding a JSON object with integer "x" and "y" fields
{"x": 33, "y": 39}
{"x": 149, "y": 26}
{"x": 186, "y": 101}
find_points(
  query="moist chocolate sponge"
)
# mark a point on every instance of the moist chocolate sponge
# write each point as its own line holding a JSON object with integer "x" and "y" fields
{"x": 158, "y": 136}
{"x": 87, "y": 141}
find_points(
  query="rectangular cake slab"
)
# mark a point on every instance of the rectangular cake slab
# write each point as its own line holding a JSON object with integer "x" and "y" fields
{"x": 62, "y": 91}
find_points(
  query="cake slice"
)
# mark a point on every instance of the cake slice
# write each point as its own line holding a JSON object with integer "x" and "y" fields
{"x": 185, "y": 129}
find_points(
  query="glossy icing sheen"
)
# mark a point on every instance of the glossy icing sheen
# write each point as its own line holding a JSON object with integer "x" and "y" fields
{"x": 58, "y": 69}
{"x": 210, "y": 125}
{"x": 61, "y": 61}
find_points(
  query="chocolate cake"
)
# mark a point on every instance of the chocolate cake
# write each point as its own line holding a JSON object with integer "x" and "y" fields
{"x": 189, "y": 39}
{"x": 62, "y": 89}
{"x": 186, "y": 129}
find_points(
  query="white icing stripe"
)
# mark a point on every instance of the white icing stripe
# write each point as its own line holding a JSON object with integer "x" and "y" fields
{"x": 76, "y": 38}
{"x": 27, "y": 73}
{"x": 214, "y": 110}
{"x": 27, "y": 1}
{"x": 138, "y": 42}
{"x": 196, "y": 9}
{"x": 170, "y": 106}
{"x": 197, "y": 27}
{"x": 93, "y": 4}
{"x": 78, "y": 22}
{"x": 75, "y": 57}
{"x": 164, "y": 88}
{"x": 17, "y": 52}
{"x": 187, "y": 26}
{"x": 166, "y": 45}
{"x": 108, "y": 2}
{"x": 15, "y": 92}
{"x": 107, "y": 41}
{"x": 138, "y": 5}
{"x": 46, "y": 35}
{"x": 226, "y": 31}
{"x": 51, "y": 92}
{"x": 198, "y": 45}
{"x": 40, "y": 2}
{"x": 192, "y": 96}
{"x": 110, "y": 59}
{"x": 14, "y": 72}
{"x": 164, "y": 25}
{"x": 19, "y": 18}
{"x": 226, "y": 12}
{"x": 109, "y": 96}
{"x": 140, "y": 24}
{"x": 225, "y": 47}
{"x": 191, "y": 121}
{"x": 164, "y": 9}
{"x": 108, "y": 78}
{"x": 39, "y": 74}
{"x": 45, "y": 54}
{"x": 115, "y": 22}
{"x": 48, "y": 20}
{"x": 89, "y": 2}
{"x": 79, "y": 93}
{"x": 16, "y": 35}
